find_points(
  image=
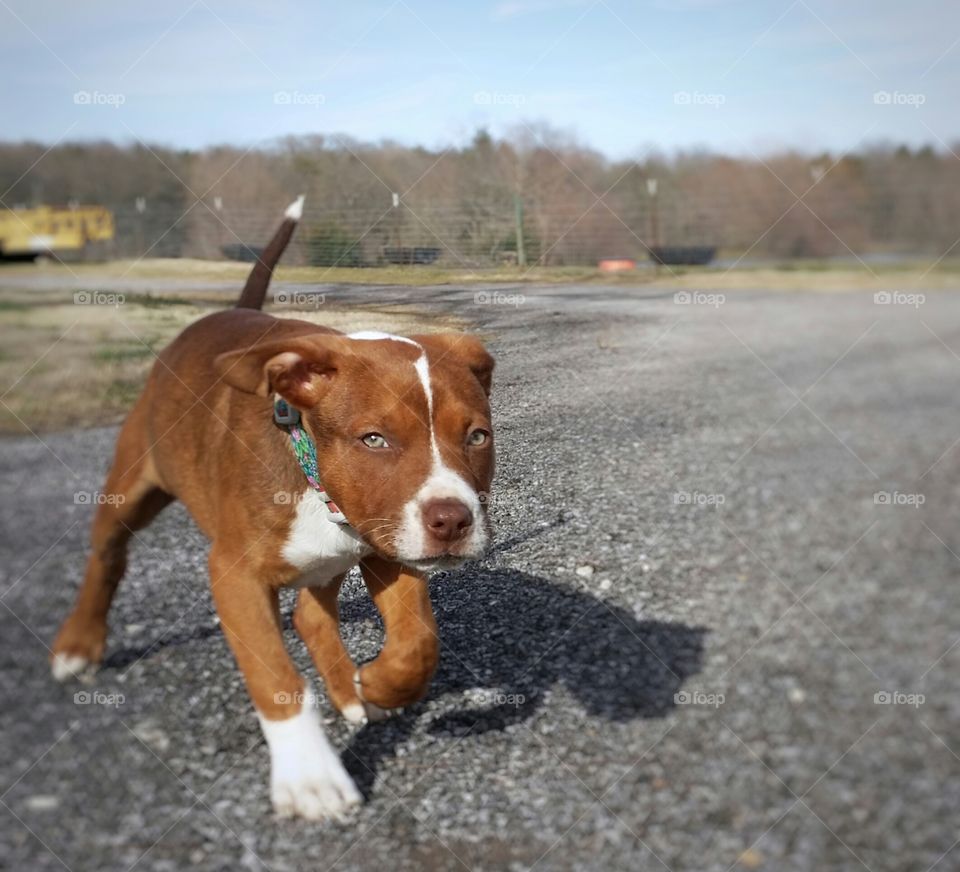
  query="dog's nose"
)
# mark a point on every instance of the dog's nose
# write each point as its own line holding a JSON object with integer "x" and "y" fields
{"x": 447, "y": 519}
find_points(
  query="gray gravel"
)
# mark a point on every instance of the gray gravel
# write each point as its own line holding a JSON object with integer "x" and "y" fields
{"x": 670, "y": 660}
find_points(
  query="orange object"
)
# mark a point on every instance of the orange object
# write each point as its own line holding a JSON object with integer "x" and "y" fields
{"x": 617, "y": 264}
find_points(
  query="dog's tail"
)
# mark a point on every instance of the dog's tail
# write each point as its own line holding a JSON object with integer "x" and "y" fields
{"x": 255, "y": 290}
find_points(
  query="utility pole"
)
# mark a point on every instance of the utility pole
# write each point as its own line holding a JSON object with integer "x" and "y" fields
{"x": 398, "y": 231}
{"x": 518, "y": 219}
{"x": 140, "y": 204}
{"x": 654, "y": 214}
{"x": 218, "y": 205}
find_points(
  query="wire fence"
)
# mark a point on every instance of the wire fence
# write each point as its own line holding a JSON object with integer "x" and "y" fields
{"x": 478, "y": 235}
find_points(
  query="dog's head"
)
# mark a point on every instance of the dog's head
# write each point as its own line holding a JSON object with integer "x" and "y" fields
{"x": 403, "y": 432}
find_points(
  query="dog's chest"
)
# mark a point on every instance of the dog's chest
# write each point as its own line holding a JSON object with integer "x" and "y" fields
{"x": 319, "y": 548}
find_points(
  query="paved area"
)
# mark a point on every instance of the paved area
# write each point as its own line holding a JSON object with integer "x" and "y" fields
{"x": 702, "y": 641}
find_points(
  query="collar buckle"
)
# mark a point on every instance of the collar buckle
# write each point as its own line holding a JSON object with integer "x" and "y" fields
{"x": 284, "y": 414}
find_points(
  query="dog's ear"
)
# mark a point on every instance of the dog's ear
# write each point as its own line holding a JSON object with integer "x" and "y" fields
{"x": 299, "y": 369}
{"x": 462, "y": 348}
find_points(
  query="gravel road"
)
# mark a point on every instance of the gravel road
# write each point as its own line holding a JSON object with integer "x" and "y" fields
{"x": 704, "y": 640}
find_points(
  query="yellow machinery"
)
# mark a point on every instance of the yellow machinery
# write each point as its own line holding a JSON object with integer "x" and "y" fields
{"x": 26, "y": 233}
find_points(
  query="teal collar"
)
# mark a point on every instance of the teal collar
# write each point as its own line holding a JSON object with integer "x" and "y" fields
{"x": 288, "y": 418}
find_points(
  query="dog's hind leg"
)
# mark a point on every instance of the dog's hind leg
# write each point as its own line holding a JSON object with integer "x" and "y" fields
{"x": 130, "y": 500}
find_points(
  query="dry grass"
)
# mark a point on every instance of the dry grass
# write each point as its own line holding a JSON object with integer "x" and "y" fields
{"x": 63, "y": 365}
{"x": 206, "y": 270}
{"x": 789, "y": 275}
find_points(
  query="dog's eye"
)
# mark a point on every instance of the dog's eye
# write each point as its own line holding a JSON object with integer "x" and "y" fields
{"x": 374, "y": 440}
{"x": 478, "y": 437}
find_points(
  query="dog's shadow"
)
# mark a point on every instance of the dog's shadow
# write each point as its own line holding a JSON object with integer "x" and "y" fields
{"x": 514, "y": 638}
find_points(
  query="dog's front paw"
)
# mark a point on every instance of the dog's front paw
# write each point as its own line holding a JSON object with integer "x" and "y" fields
{"x": 361, "y": 713}
{"x": 314, "y": 792}
{"x": 307, "y": 778}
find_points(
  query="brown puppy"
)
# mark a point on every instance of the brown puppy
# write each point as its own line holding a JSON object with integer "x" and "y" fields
{"x": 404, "y": 445}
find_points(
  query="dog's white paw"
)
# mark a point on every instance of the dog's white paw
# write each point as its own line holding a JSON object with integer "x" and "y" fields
{"x": 361, "y": 713}
{"x": 73, "y": 667}
{"x": 307, "y": 778}
{"x": 319, "y": 793}
{"x": 375, "y": 713}
{"x": 371, "y": 712}
{"x": 355, "y": 713}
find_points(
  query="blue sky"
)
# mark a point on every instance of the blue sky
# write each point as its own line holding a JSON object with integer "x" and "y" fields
{"x": 622, "y": 76}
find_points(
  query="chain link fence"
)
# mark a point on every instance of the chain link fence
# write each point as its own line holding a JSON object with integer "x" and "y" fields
{"x": 496, "y": 202}
{"x": 476, "y": 236}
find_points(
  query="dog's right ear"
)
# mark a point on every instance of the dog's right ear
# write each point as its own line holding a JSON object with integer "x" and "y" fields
{"x": 299, "y": 370}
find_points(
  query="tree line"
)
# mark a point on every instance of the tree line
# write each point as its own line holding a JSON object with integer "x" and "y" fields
{"x": 539, "y": 195}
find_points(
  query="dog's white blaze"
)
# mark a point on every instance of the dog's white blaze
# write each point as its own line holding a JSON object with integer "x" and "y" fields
{"x": 441, "y": 483}
{"x": 307, "y": 777}
{"x": 422, "y": 366}
{"x": 318, "y": 547}
{"x": 373, "y": 335}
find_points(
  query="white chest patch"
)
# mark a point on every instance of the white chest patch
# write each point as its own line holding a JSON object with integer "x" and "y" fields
{"x": 318, "y": 547}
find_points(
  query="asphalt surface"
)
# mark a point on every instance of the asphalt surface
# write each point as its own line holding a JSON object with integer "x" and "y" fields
{"x": 670, "y": 660}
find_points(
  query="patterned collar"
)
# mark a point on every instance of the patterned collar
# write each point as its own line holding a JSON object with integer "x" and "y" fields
{"x": 288, "y": 418}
